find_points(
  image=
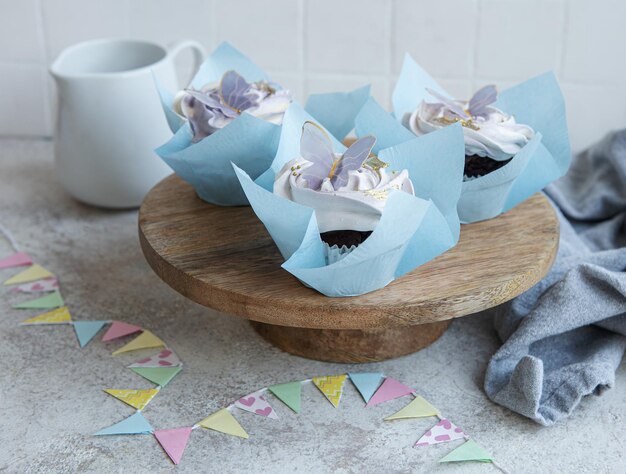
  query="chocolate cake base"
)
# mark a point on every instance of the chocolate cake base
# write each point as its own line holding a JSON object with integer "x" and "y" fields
{"x": 344, "y": 237}
{"x": 476, "y": 166}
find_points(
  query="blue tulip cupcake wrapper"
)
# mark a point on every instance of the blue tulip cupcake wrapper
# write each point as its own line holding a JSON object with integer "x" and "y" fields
{"x": 537, "y": 102}
{"x": 412, "y": 229}
{"x": 248, "y": 142}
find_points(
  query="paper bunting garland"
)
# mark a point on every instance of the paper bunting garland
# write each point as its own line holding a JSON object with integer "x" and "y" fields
{"x": 366, "y": 383}
{"x": 19, "y": 259}
{"x": 38, "y": 286}
{"x": 162, "y": 367}
{"x": 120, "y": 329}
{"x": 53, "y": 300}
{"x": 32, "y": 273}
{"x": 223, "y": 422}
{"x": 135, "y": 398}
{"x": 256, "y": 403}
{"x": 57, "y": 316}
{"x": 145, "y": 340}
{"x": 331, "y": 386}
{"x": 86, "y": 330}
{"x": 288, "y": 393}
{"x": 158, "y": 375}
{"x": 389, "y": 390}
{"x": 173, "y": 442}
{"x": 418, "y": 408}
{"x": 134, "y": 424}
{"x": 468, "y": 451}
{"x": 442, "y": 432}
{"x": 165, "y": 358}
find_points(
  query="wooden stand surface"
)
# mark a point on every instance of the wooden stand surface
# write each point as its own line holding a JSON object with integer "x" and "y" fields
{"x": 223, "y": 258}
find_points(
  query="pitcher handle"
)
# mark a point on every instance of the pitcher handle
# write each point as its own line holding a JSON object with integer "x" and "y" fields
{"x": 197, "y": 49}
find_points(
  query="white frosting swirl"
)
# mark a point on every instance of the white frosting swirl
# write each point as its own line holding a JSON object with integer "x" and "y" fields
{"x": 356, "y": 206}
{"x": 495, "y": 134}
{"x": 271, "y": 105}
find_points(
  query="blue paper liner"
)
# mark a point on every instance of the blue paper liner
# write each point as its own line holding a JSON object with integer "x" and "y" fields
{"x": 248, "y": 142}
{"x": 537, "y": 102}
{"x": 412, "y": 229}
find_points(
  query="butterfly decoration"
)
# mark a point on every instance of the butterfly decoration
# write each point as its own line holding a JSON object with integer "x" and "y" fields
{"x": 476, "y": 107}
{"x": 317, "y": 148}
{"x": 236, "y": 93}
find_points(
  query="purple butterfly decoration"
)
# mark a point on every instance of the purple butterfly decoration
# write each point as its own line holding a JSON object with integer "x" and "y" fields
{"x": 477, "y": 105}
{"x": 483, "y": 98}
{"x": 317, "y": 148}
{"x": 235, "y": 92}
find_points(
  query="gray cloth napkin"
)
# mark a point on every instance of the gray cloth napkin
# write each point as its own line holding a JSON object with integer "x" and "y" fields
{"x": 565, "y": 337}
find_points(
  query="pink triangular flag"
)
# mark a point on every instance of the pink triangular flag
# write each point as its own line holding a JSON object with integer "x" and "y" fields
{"x": 165, "y": 358}
{"x": 173, "y": 442}
{"x": 19, "y": 259}
{"x": 257, "y": 404}
{"x": 39, "y": 286}
{"x": 120, "y": 329}
{"x": 442, "y": 432}
{"x": 389, "y": 390}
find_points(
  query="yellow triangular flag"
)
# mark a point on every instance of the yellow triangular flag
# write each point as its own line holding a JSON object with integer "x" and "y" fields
{"x": 144, "y": 341}
{"x": 223, "y": 422}
{"x": 135, "y": 398}
{"x": 56, "y": 316}
{"x": 418, "y": 408}
{"x": 32, "y": 273}
{"x": 331, "y": 386}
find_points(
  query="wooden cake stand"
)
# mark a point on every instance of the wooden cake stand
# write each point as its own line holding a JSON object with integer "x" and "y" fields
{"x": 223, "y": 258}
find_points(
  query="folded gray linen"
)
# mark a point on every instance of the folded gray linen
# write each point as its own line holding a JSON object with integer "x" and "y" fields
{"x": 565, "y": 337}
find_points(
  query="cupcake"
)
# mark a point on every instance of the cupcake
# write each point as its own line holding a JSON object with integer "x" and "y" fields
{"x": 216, "y": 105}
{"x": 348, "y": 191}
{"x": 492, "y": 137}
{"x": 344, "y": 222}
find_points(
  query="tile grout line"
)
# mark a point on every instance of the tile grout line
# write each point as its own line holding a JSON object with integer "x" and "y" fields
{"x": 302, "y": 44}
{"x": 478, "y": 10}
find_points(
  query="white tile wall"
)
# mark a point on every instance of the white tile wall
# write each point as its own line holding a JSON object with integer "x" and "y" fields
{"x": 323, "y": 45}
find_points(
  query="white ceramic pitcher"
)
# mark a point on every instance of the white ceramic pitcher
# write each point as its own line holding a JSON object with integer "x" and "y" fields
{"x": 110, "y": 118}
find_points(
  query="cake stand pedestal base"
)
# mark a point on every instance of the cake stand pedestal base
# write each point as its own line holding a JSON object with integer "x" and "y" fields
{"x": 351, "y": 345}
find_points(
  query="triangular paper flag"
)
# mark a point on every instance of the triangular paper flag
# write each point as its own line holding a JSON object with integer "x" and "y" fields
{"x": 38, "y": 286}
{"x": 19, "y": 259}
{"x": 86, "y": 330}
{"x": 389, "y": 390}
{"x": 223, "y": 422}
{"x": 257, "y": 404}
{"x": 366, "y": 383}
{"x": 442, "y": 432}
{"x": 418, "y": 408}
{"x": 165, "y": 358}
{"x": 173, "y": 442}
{"x": 134, "y": 424}
{"x": 135, "y": 398}
{"x": 57, "y": 316}
{"x": 145, "y": 340}
{"x": 331, "y": 386}
{"x": 468, "y": 451}
{"x": 288, "y": 393}
{"x": 53, "y": 300}
{"x": 120, "y": 329}
{"x": 32, "y": 273}
{"x": 158, "y": 375}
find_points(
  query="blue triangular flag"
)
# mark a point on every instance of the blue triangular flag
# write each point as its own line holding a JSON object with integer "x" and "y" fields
{"x": 367, "y": 383}
{"x": 86, "y": 330}
{"x": 134, "y": 424}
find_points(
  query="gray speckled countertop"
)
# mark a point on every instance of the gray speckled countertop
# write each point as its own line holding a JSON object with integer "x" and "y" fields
{"x": 51, "y": 395}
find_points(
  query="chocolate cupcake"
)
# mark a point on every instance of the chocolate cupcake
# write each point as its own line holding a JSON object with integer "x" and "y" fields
{"x": 492, "y": 137}
{"x": 348, "y": 191}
